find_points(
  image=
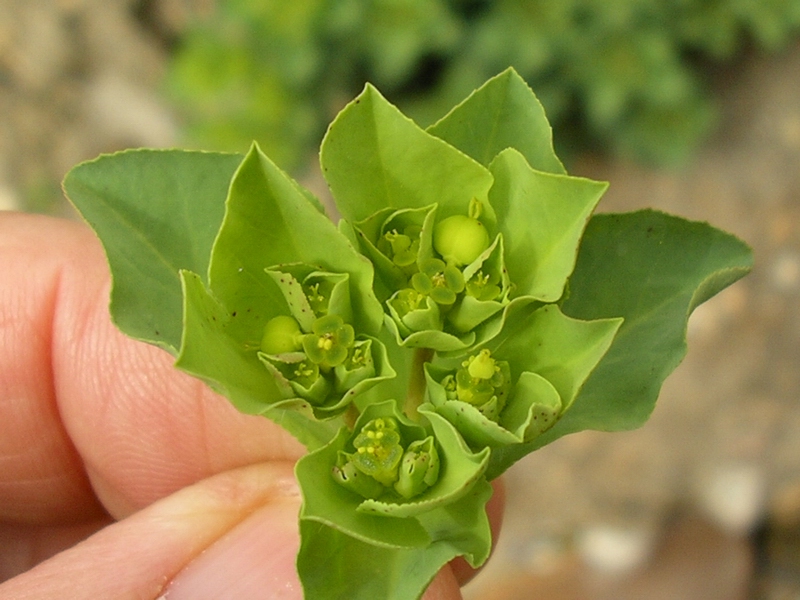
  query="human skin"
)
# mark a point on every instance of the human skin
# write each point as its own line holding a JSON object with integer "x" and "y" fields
{"x": 121, "y": 477}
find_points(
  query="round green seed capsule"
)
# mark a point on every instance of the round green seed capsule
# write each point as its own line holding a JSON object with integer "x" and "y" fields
{"x": 460, "y": 239}
{"x": 281, "y": 335}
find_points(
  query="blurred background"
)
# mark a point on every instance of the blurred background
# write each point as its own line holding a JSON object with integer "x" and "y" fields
{"x": 690, "y": 106}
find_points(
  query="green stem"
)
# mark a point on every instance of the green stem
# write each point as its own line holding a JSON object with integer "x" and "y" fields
{"x": 416, "y": 382}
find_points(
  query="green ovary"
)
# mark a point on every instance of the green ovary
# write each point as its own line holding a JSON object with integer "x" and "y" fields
{"x": 281, "y": 335}
{"x": 460, "y": 239}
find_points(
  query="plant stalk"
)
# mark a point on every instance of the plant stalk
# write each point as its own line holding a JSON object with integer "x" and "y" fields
{"x": 416, "y": 382}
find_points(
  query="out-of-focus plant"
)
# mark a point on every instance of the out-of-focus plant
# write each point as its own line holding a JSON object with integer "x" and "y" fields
{"x": 624, "y": 71}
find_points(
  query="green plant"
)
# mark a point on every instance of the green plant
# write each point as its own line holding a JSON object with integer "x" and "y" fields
{"x": 467, "y": 310}
{"x": 626, "y": 72}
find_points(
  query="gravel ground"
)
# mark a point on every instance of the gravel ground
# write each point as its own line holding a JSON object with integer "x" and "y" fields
{"x": 701, "y": 503}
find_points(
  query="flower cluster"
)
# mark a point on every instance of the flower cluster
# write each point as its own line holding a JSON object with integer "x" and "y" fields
{"x": 442, "y": 275}
{"x": 383, "y": 465}
{"x": 313, "y": 353}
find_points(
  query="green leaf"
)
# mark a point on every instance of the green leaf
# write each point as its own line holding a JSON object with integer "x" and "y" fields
{"x": 463, "y": 524}
{"x": 332, "y": 564}
{"x": 502, "y": 113}
{"x": 268, "y": 222}
{"x": 374, "y": 157}
{"x": 542, "y": 217}
{"x": 537, "y": 409}
{"x": 459, "y": 529}
{"x": 210, "y": 352}
{"x": 652, "y": 269}
{"x": 156, "y": 212}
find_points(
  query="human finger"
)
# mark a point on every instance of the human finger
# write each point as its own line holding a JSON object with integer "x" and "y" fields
{"x": 231, "y": 536}
{"x": 84, "y": 410}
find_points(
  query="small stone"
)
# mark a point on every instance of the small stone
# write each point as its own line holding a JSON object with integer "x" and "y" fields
{"x": 615, "y": 549}
{"x": 733, "y": 496}
{"x": 129, "y": 113}
{"x": 785, "y": 271}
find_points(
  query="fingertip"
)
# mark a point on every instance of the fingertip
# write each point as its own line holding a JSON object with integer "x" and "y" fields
{"x": 222, "y": 518}
{"x": 495, "y": 509}
{"x": 444, "y": 586}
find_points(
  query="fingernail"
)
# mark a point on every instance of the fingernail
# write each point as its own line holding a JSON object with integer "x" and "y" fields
{"x": 256, "y": 559}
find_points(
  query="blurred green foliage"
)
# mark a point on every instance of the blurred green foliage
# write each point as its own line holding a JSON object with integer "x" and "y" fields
{"x": 622, "y": 75}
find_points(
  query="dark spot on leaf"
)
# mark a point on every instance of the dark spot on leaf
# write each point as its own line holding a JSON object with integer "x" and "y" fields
{"x": 233, "y": 314}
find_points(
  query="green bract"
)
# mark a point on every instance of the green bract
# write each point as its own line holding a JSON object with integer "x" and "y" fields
{"x": 467, "y": 310}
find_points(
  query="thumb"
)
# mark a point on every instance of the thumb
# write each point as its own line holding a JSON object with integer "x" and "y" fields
{"x": 233, "y": 535}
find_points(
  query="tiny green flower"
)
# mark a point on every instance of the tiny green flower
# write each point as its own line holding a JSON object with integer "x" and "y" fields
{"x": 281, "y": 335}
{"x": 298, "y": 377}
{"x": 402, "y": 248}
{"x": 419, "y": 468}
{"x": 442, "y": 282}
{"x": 482, "y": 365}
{"x": 319, "y": 295}
{"x": 348, "y": 475}
{"x": 378, "y": 450}
{"x": 482, "y": 382}
{"x": 414, "y": 311}
{"x": 484, "y": 286}
{"x": 382, "y": 457}
{"x": 327, "y": 346}
{"x": 408, "y": 300}
{"x": 305, "y": 372}
{"x": 357, "y": 367}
